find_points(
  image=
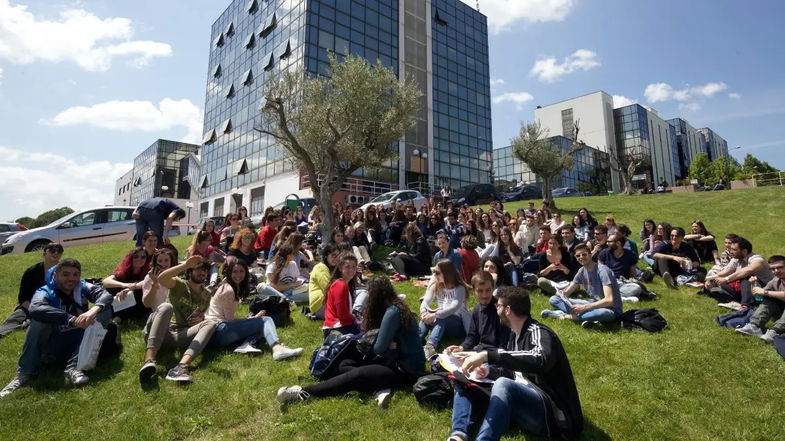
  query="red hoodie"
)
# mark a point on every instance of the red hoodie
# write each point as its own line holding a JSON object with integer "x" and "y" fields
{"x": 338, "y": 307}
{"x": 264, "y": 240}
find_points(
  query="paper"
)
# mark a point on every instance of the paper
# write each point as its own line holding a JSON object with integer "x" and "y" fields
{"x": 90, "y": 346}
{"x": 119, "y": 305}
{"x": 452, "y": 364}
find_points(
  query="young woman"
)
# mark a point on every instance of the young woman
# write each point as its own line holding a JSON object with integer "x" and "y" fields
{"x": 470, "y": 260}
{"x": 417, "y": 261}
{"x": 360, "y": 247}
{"x": 338, "y": 305}
{"x": 590, "y": 221}
{"x": 283, "y": 277}
{"x": 153, "y": 293}
{"x": 127, "y": 279}
{"x": 434, "y": 225}
{"x": 495, "y": 267}
{"x": 280, "y": 238}
{"x": 320, "y": 279}
{"x": 315, "y": 214}
{"x": 201, "y": 246}
{"x": 397, "y": 338}
{"x": 610, "y": 224}
{"x": 267, "y": 211}
{"x": 581, "y": 228}
{"x": 382, "y": 225}
{"x": 229, "y": 230}
{"x": 245, "y": 220}
{"x": 557, "y": 267}
{"x": 215, "y": 236}
{"x": 232, "y": 331}
{"x": 450, "y": 318}
{"x": 300, "y": 216}
{"x": 703, "y": 242}
{"x": 422, "y": 223}
{"x": 492, "y": 246}
{"x": 242, "y": 247}
{"x": 510, "y": 254}
{"x": 556, "y": 223}
{"x": 474, "y": 231}
{"x": 648, "y": 229}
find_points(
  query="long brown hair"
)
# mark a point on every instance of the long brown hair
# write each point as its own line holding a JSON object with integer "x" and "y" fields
{"x": 381, "y": 295}
{"x": 156, "y": 268}
{"x": 411, "y": 232}
{"x": 450, "y": 276}
{"x": 281, "y": 254}
{"x": 337, "y": 274}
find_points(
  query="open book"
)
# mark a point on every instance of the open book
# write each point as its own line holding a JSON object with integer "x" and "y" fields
{"x": 452, "y": 364}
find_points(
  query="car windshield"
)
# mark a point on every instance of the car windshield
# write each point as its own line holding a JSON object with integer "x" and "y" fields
{"x": 62, "y": 219}
{"x": 384, "y": 197}
{"x": 461, "y": 192}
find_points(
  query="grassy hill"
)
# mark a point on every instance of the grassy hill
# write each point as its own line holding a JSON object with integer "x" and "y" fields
{"x": 694, "y": 381}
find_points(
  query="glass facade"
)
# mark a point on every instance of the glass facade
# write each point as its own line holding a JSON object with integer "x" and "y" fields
{"x": 160, "y": 171}
{"x": 590, "y": 170}
{"x": 639, "y": 130}
{"x": 716, "y": 146}
{"x": 689, "y": 142}
{"x": 254, "y": 40}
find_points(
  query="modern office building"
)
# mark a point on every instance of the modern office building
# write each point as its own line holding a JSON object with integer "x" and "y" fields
{"x": 689, "y": 143}
{"x": 590, "y": 171}
{"x": 716, "y": 146}
{"x": 441, "y": 44}
{"x": 642, "y": 131}
{"x": 161, "y": 170}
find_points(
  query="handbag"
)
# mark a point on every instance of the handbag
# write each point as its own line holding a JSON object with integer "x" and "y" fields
{"x": 90, "y": 347}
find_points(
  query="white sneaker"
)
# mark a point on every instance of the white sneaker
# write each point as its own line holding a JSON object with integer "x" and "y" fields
{"x": 730, "y": 305}
{"x": 16, "y": 383}
{"x": 402, "y": 296}
{"x": 383, "y": 397}
{"x": 630, "y": 299}
{"x": 768, "y": 337}
{"x": 291, "y": 393}
{"x": 281, "y": 352}
{"x": 750, "y": 329}
{"x": 248, "y": 348}
{"x": 552, "y": 313}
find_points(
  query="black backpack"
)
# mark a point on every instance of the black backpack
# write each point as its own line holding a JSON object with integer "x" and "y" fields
{"x": 646, "y": 318}
{"x": 277, "y": 308}
{"x": 325, "y": 358}
{"x": 434, "y": 390}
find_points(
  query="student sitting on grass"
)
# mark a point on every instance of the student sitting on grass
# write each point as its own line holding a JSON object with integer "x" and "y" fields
{"x": 734, "y": 283}
{"x": 470, "y": 260}
{"x": 180, "y": 321}
{"x": 338, "y": 304}
{"x": 485, "y": 331}
{"x": 264, "y": 240}
{"x": 150, "y": 244}
{"x": 59, "y": 314}
{"x": 445, "y": 251}
{"x": 674, "y": 258}
{"x": 599, "y": 283}
{"x": 417, "y": 261}
{"x": 773, "y": 305}
{"x": 242, "y": 247}
{"x": 283, "y": 277}
{"x": 397, "y": 332}
{"x": 623, "y": 264}
{"x": 557, "y": 267}
{"x": 209, "y": 254}
{"x": 242, "y": 333}
{"x": 32, "y": 279}
{"x": 725, "y": 256}
{"x": 599, "y": 242}
{"x": 450, "y": 318}
{"x": 526, "y": 237}
{"x": 703, "y": 242}
{"x": 495, "y": 267}
{"x": 127, "y": 279}
{"x": 534, "y": 387}
{"x": 153, "y": 293}
{"x": 320, "y": 279}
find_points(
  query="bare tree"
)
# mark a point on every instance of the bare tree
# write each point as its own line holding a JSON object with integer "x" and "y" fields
{"x": 332, "y": 126}
{"x": 628, "y": 165}
{"x": 544, "y": 158}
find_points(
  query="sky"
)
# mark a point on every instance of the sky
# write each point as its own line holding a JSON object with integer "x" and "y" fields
{"x": 87, "y": 85}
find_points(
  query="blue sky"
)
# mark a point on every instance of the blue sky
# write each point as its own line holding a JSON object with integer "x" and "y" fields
{"x": 87, "y": 85}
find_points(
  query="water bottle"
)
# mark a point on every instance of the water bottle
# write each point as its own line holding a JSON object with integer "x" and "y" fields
{"x": 758, "y": 297}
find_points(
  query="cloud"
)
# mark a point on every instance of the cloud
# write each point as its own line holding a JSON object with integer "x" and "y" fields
{"x": 518, "y": 98}
{"x": 504, "y": 13}
{"x": 622, "y": 101}
{"x": 494, "y": 81}
{"x": 43, "y": 181}
{"x": 75, "y": 36}
{"x": 734, "y": 95}
{"x": 550, "y": 70}
{"x": 661, "y": 92}
{"x": 692, "y": 106}
{"x": 129, "y": 116}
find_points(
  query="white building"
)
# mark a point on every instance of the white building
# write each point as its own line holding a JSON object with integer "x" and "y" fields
{"x": 122, "y": 189}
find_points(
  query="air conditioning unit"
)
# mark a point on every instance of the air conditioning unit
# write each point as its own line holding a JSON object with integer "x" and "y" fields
{"x": 353, "y": 199}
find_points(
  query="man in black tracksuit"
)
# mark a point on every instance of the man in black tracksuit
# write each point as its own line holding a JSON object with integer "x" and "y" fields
{"x": 534, "y": 385}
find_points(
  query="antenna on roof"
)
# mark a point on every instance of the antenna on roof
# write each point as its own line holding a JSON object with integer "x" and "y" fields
{"x": 478, "y": 5}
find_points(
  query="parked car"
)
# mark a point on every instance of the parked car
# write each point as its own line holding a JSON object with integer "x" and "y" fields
{"x": 386, "y": 200}
{"x": 522, "y": 193}
{"x": 475, "y": 194}
{"x": 96, "y": 225}
{"x": 565, "y": 192}
{"x": 8, "y": 229}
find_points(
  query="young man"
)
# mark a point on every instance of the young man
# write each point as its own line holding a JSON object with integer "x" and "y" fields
{"x": 599, "y": 242}
{"x": 534, "y": 385}
{"x": 264, "y": 240}
{"x": 744, "y": 265}
{"x": 531, "y": 211}
{"x": 599, "y": 283}
{"x": 32, "y": 279}
{"x": 526, "y": 236}
{"x": 179, "y": 322}
{"x": 446, "y": 251}
{"x": 773, "y": 306}
{"x": 625, "y": 232}
{"x": 542, "y": 241}
{"x": 59, "y": 315}
{"x": 623, "y": 263}
{"x": 454, "y": 229}
{"x": 485, "y": 330}
{"x": 672, "y": 258}
{"x": 568, "y": 236}
{"x": 156, "y": 215}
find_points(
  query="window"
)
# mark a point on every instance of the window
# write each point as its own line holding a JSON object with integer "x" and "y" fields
{"x": 267, "y": 26}
{"x": 567, "y": 123}
{"x": 219, "y": 41}
{"x": 247, "y": 77}
{"x": 240, "y": 167}
{"x": 229, "y": 31}
{"x": 218, "y": 207}
{"x": 252, "y": 7}
{"x": 257, "y": 201}
{"x": 119, "y": 215}
{"x": 208, "y": 138}
{"x": 284, "y": 49}
{"x": 205, "y": 182}
{"x": 250, "y": 42}
{"x": 230, "y": 92}
{"x": 226, "y": 127}
{"x": 270, "y": 62}
{"x": 80, "y": 220}
{"x": 217, "y": 71}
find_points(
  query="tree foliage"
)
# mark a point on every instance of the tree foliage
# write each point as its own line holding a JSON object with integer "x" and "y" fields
{"x": 628, "y": 165}
{"x": 753, "y": 166}
{"x": 543, "y": 157}
{"x": 331, "y": 126}
{"x": 700, "y": 169}
{"x": 50, "y": 216}
{"x": 27, "y": 221}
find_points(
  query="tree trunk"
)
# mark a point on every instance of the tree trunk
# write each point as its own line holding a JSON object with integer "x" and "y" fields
{"x": 324, "y": 194}
{"x": 547, "y": 191}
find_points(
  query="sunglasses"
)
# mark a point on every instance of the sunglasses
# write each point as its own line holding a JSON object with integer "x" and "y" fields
{"x": 247, "y": 238}
{"x": 140, "y": 256}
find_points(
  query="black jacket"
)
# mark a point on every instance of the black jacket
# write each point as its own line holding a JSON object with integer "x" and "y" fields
{"x": 539, "y": 355}
{"x": 485, "y": 331}
{"x": 32, "y": 279}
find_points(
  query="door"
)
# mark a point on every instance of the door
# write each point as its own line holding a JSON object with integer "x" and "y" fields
{"x": 82, "y": 229}
{"x": 119, "y": 225}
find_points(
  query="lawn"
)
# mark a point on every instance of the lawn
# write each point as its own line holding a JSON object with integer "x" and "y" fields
{"x": 695, "y": 381}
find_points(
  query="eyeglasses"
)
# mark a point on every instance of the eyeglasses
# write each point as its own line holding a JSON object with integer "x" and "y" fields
{"x": 55, "y": 251}
{"x": 247, "y": 238}
{"x": 234, "y": 218}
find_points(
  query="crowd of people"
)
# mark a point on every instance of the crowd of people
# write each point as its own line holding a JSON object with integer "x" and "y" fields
{"x": 587, "y": 267}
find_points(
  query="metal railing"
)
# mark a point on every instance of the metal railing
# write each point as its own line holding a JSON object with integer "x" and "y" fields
{"x": 768, "y": 179}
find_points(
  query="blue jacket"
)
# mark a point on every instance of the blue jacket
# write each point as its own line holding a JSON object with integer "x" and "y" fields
{"x": 453, "y": 255}
{"x": 47, "y": 305}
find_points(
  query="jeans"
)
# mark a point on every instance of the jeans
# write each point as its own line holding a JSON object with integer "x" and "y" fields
{"x": 149, "y": 220}
{"x": 354, "y": 328}
{"x": 14, "y": 321}
{"x": 592, "y": 315}
{"x": 450, "y": 327}
{"x": 724, "y": 293}
{"x": 509, "y": 401}
{"x": 360, "y": 297}
{"x": 237, "y": 331}
{"x": 648, "y": 259}
{"x": 301, "y": 298}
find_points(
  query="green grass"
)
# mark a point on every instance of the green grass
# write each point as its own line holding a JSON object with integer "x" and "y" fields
{"x": 694, "y": 381}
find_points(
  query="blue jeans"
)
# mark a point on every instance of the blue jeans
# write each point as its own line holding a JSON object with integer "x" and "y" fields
{"x": 300, "y": 298}
{"x": 237, "y": 331}
{"x": 592, "y": 315}
{"x": 509, "y": 401}
{"x": 450, "y": 327}
{"x": 149, "y": 220}
{"x": 648, "y": 259}
{"x": 360, "y": 297}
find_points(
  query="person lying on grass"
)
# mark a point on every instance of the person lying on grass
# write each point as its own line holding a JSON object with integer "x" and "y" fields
{"x": 599, "y": 283}
{"x": 397, "y": 357}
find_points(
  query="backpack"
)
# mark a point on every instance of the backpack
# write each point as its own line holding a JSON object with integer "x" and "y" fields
{"x": 277, "y": 308}
{"x": 325, "y": 359}
{"x": 434, "y": 390}
{"x": 735, "y": 319}
{"x": 646, "y": 318}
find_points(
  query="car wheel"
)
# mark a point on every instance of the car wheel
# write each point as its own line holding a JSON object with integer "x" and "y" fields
{"x": 37, "y": 245}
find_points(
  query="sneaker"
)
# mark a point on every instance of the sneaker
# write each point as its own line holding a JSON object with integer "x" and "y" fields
{"x": 750, "y": 329}
{"x": 630, "y": 299}
{"x": 18, "y": 381}
{"x": 383, "y": 397}
{"x": 669, "y": 281}
{"x": 179, "y": 374}
{"x": 554, "y": 314}
{"x": 148, "y": 371}
{"x": 768, "y": 337}
{"x": 429, "y": 351}
{"x": 647, "y": 276}
{"x": 402, "y": 296}
{"x": 248, "y": 348}
{"x": 290, "y": 394}
{"x": 590, "y": 324}
{"x": 731, "y": 305}
{"x": 76, "y": 377}
{"x": 281, "y": 352}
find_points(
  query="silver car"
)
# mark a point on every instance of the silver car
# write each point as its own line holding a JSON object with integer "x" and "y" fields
{"x": 8, "y": 229}
{"x": 97, "y": 225}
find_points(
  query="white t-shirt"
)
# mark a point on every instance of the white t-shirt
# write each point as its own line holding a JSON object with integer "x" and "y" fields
{"x": 288, "y": 275}
{"x": 160, "y": 294}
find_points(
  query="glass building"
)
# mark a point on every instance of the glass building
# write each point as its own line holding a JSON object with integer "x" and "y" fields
{"x": 716, "y": 146}
{"x": 590, "y": 170}
{"x": 441, "y": 44}
{"x": 161, "y": 170}
{"x": 640, "y": 130}
{"x": 689, "y": 142}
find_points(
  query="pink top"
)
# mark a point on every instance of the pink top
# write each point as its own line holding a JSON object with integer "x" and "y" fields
{"x": 223, "y": 304}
